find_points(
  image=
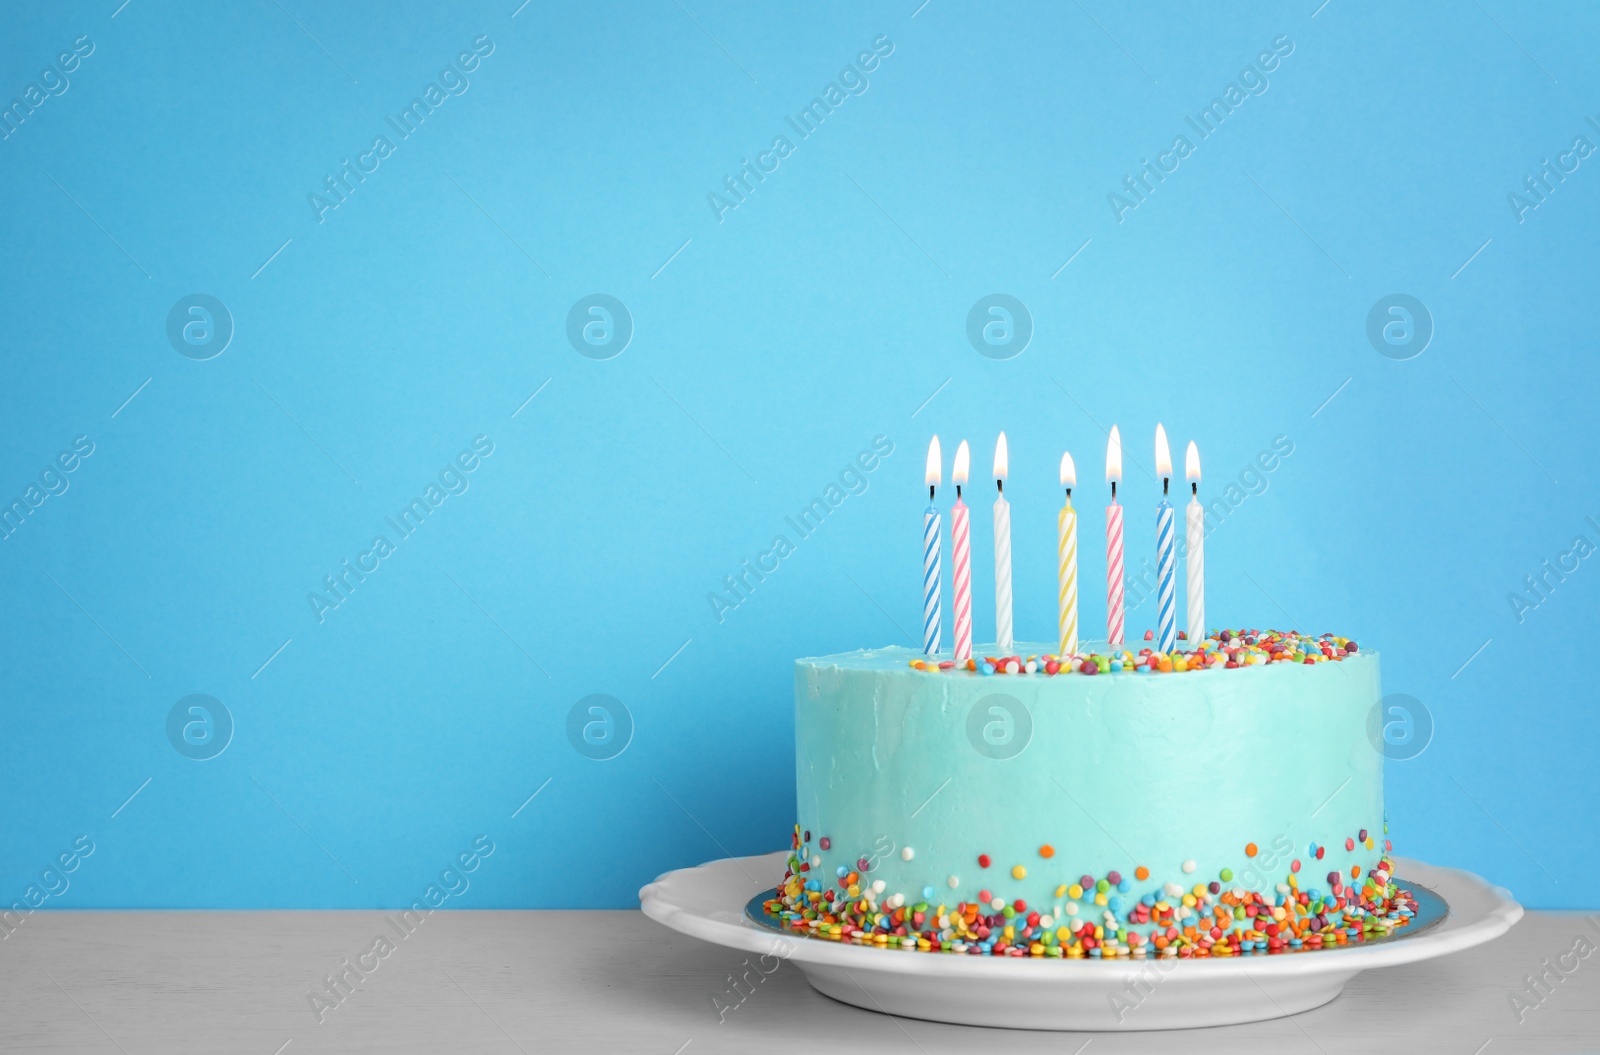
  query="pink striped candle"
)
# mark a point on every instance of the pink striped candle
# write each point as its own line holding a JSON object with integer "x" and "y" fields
{"x": 961, "y": 540}
{"x": 1114, "y": 621}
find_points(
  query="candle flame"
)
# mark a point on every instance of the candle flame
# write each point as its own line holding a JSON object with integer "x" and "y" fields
{"x": 1191, "y": 463}
{"x": 1069, "y": 471}
{"x": 1001, "y": 458}
{"x": 935, "y": 463}
{"x": 1163, "y": 453}
{"x": 1114, "y": 456}
{"x": 958, "y": 470}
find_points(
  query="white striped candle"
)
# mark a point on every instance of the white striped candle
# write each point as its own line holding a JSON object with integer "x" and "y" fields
{"x": 1194, "y": 556}
{"x": 1002, "y": 551}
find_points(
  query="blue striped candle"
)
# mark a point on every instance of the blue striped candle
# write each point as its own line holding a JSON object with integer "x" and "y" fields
{"x": 931, "y": 618}
{"x": 1166, "y": 564}
{"x": 1168, "y": 617}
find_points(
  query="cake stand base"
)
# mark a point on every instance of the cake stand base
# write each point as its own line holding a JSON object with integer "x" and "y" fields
{"x": 709, "y": 902}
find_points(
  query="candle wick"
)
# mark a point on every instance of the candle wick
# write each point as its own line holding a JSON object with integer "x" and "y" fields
{"x": 1194, "y": 488}
{"x": 1000, "y": 485}
{"x": 1165, "y": 480}
{"x": 931, "y": 489}
{"x": 1113, "y": 490}
{"x": 958, "y": 492}
{"x": 1069, "y": 494}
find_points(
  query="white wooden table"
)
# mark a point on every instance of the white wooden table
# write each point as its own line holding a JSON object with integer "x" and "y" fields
{"x": 503, "y": 982}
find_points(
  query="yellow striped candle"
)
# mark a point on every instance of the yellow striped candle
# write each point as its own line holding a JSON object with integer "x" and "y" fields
{"x": 1067, "y": 561}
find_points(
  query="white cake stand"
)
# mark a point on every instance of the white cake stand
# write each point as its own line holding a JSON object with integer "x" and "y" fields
{"x": 708, "y": 902}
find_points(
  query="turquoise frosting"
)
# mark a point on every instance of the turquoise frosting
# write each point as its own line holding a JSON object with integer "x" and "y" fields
{"x": 920, "y": 772}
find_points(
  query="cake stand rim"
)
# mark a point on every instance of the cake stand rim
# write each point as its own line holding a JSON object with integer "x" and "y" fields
{"x": 1479, "y": 911}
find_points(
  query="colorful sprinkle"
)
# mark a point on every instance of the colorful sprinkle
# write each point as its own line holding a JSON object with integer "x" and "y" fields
{"x": 1169, "y": 921}
{"x": 1226, "y": 649}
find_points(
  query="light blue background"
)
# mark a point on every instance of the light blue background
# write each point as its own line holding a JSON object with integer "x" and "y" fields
{"x": 824, "y": 311}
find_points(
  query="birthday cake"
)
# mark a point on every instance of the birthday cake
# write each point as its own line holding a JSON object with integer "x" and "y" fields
{"x": 1211, "y": 801}
{"x": 1215, "y": 794}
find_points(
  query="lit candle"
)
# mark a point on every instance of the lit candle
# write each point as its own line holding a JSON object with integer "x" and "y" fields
{"x": 1067, "y": 558}
{"x": 932, "y": 620}
{"x": 961, "y": 544}
{"x": 1195, "y": 537}
{"x": 1114, "y": 541}
{"x": 1166, "y": 541}
{"x": 1002, "y": 551}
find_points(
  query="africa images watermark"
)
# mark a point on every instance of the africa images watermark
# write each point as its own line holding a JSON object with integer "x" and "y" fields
{"x": 53, "y": 480}
{"x": 1140, "y": 987}
{"x": 340, "y": 985}
{"x": 1538, "y": 587}
{"x": 752, "y": 975}
{"x": 52, "y": 82}
{"x": 1254, "y": 479}
{"x": 1550, "y": 175}
{"x": 852, "y": 80}
{"x": 337, "y": 188}
{"x": 599, "y": 726}
{"x": 453, "y": 479}
{"x": 53, "y": 882}
{"x": 853, "y": 479}
{"x": 1259, "y": 877}
{"x": 1252, "y": 81}
{"x": 1536, "y": 989}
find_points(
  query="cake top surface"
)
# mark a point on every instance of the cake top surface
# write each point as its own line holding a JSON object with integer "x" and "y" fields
{"x": 1222, "y": 650}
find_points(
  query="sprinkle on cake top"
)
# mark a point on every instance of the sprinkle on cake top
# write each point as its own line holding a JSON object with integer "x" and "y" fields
{"x": 1224, "y": 649}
